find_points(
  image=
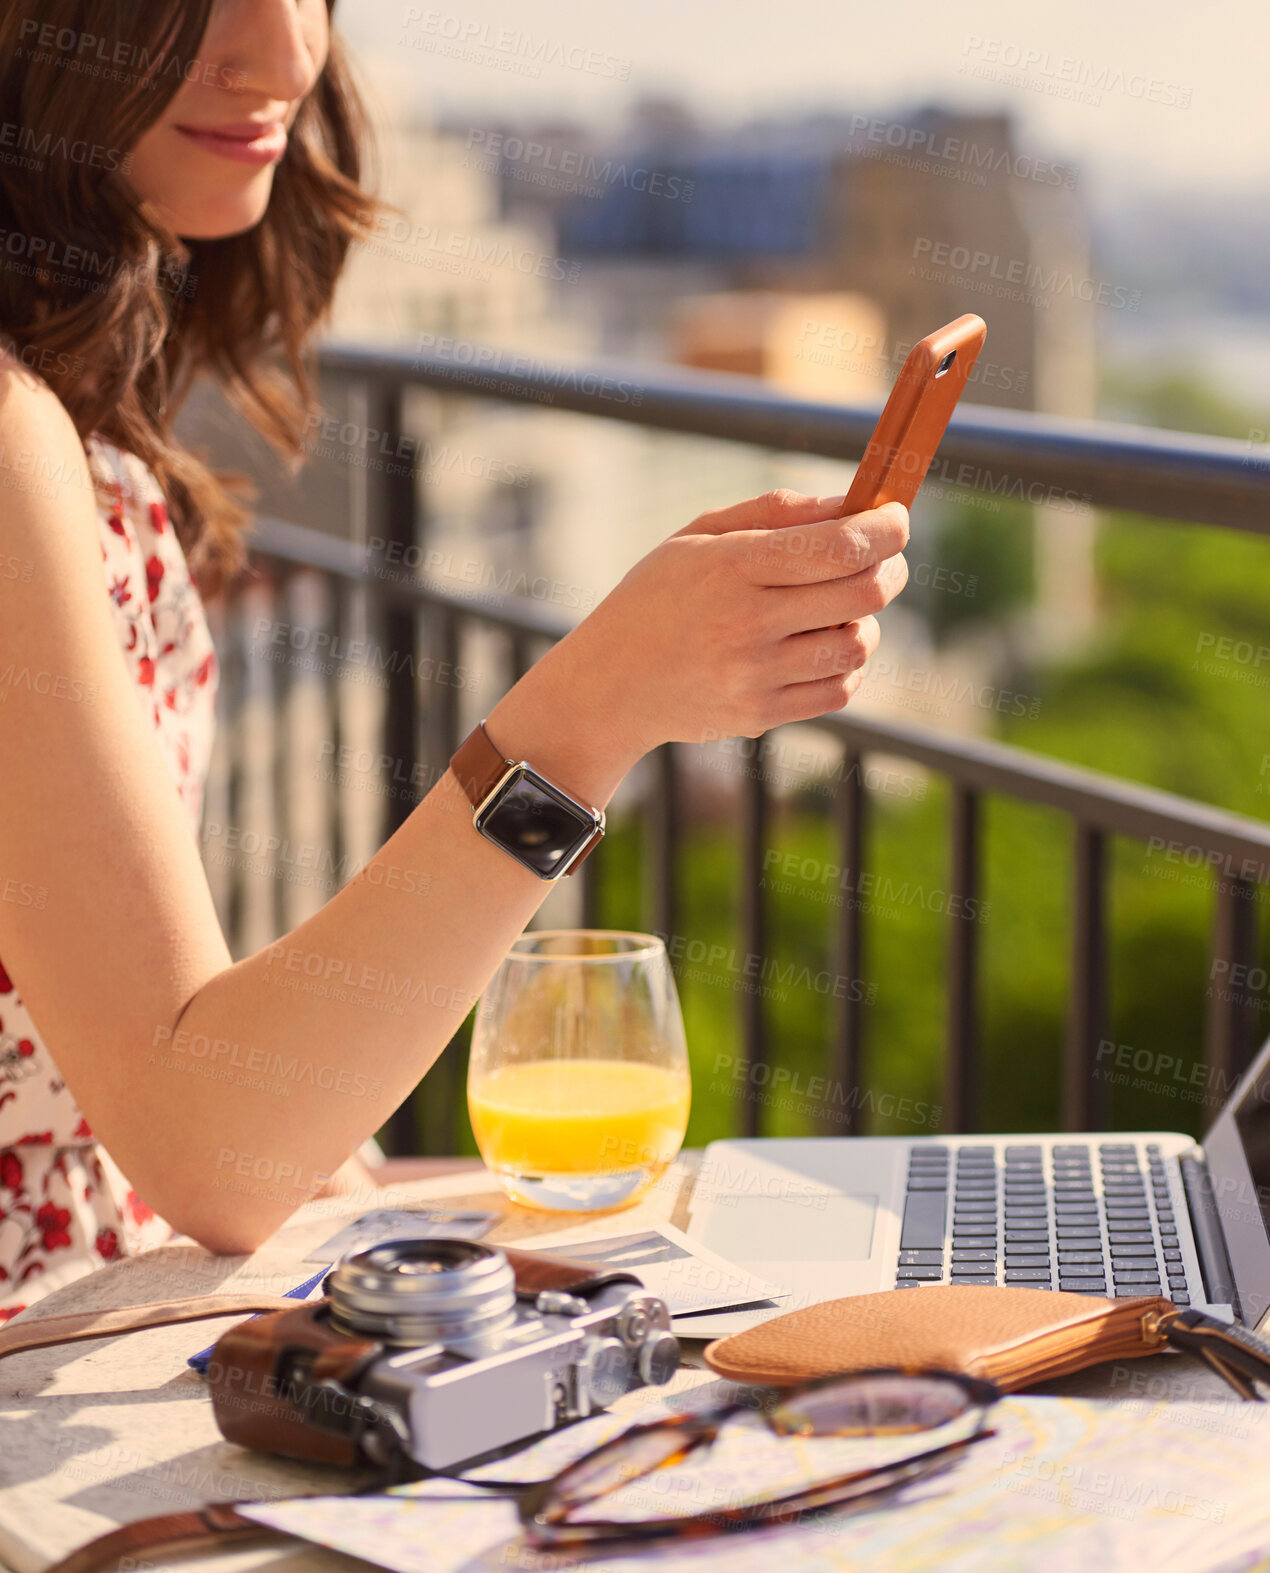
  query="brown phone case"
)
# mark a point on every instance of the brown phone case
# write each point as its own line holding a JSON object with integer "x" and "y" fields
{"x": 911, "y": 426}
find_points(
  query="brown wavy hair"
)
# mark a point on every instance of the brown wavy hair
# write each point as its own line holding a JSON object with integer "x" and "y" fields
{"x": 122, "y": 333}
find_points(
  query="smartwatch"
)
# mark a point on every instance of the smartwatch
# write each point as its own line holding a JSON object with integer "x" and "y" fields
{"x": 518, "y": 809}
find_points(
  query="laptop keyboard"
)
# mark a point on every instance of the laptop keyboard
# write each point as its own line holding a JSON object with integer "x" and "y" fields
{"x": 1090, "y": 1221}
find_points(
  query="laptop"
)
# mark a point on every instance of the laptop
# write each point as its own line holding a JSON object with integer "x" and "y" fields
{"x": 1105, "y": 1215}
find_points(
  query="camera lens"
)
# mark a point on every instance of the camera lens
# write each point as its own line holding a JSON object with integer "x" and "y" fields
{"x": 412, "y": 1292}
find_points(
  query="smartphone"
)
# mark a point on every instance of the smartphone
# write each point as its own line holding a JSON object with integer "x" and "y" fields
{"x": 910, "y": 427}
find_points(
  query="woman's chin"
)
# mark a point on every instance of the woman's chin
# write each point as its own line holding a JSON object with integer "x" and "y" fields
{"x": 222, "y": 219}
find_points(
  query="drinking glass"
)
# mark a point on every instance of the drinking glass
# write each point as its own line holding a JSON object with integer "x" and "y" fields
{"x": 578, "y": 1086}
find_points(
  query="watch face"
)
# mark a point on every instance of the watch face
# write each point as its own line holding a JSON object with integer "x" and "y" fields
{"x": 536, "y": 823}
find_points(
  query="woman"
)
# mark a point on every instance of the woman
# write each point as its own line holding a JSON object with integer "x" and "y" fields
{"x": 179, "y": 199}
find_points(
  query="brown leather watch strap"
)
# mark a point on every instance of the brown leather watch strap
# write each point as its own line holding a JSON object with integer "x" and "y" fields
{"x": 478, "y": 766}
{"x": 47, "y": 1330}
{"x": 217, "y": 1525}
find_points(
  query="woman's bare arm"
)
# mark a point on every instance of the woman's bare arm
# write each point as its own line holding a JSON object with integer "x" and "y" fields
{"x": 731, "y": 626}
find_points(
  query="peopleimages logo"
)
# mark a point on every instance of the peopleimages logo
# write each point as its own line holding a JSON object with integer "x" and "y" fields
{"x": 939, "y": 259}
{"x": 581, "y": 168}
{"x": 430, "y": 245}
{"x": 466, "y": 38}
{"x": 1065, "y": 76}
{"x": 38, "y": 147}
{"x": 922, "y": 144}
{"x": 483, "y": 363}
{"x": 752, "y": 971}
{"x": 117, "y": 59}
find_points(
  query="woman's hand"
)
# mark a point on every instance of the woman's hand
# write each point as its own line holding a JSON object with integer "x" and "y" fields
{"x": 752, "y": 616}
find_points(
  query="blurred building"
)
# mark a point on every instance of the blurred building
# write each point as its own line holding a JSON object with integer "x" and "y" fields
{"x": 966, "y": 223}
{"x": 787, "y": 339}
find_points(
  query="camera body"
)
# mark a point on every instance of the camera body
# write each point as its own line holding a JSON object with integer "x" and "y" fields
{"x": 439, "y": 1352}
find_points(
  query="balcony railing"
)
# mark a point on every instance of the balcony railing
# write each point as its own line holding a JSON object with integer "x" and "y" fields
{"x": 1162, "y": 474}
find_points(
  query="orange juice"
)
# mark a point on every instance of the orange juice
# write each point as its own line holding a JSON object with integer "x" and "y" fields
{"x": 579, "y": 1117}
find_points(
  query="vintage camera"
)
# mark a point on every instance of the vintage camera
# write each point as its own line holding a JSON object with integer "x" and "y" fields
{"x": 437, "y": 1352}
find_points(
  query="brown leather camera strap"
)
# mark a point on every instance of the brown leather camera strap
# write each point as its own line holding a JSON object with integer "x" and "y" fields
{"x": 536, "y": 1271}
{"x": 47, "y": 1330}
{"x": 196, "y": 1529}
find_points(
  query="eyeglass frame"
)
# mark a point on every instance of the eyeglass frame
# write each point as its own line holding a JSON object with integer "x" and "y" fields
{"x": 532, "y": 1500}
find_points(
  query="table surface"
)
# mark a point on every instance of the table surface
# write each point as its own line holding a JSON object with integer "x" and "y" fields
{"x": 117, "y": 1430}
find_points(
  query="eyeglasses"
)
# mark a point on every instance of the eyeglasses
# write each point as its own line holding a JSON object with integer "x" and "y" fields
{"x": 867, "y": 1403}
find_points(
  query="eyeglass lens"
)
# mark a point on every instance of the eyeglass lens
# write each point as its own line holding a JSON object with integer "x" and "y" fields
{"x": 625, "y": 1458}
{"x": 872, "y": 1404}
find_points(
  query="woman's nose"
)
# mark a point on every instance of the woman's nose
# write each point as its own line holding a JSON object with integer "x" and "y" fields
{"x": 275, "y": 48}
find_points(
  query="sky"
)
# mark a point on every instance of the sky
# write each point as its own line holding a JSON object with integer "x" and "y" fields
{"x": 1162, "y": 95}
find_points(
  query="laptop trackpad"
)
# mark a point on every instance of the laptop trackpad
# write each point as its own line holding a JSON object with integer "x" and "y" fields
{"x": 815, "y": 1228}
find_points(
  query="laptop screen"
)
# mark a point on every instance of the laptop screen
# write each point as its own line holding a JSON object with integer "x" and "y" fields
{"x": 1237, "y": 1149}
{"x": 1252, "y": 1120}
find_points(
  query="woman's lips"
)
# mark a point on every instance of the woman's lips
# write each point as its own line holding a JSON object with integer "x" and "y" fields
{"x": 248, "y": 142}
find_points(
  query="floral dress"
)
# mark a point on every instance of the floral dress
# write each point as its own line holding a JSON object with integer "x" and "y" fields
{"x": 65, "y": 1208}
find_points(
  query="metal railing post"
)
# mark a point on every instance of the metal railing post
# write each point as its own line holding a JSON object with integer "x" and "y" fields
{"x": 1086, "y": 1022}
{"x": 845, "y": 1089}
{"x": 961, "y": 1080}
{"x": 754, "y": 935}
{"x": 391, "y": 513}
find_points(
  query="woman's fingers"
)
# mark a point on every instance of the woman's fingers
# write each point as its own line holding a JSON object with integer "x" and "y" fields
{"x": 822, "y": 692}
{"x": 806, "y": 701}
{"x": 795, "y": 609}
{"x": 776, "y": 510}
{"x": 825, "y": 652}
{"x": 824, "y": 549}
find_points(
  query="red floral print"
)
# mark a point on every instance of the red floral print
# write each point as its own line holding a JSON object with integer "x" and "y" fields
{"x": 154, "y": 577}
{"x": 52, "y": 1221}
{"x": 107, "y": 1244}
{"x": 137, "y": 1209}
